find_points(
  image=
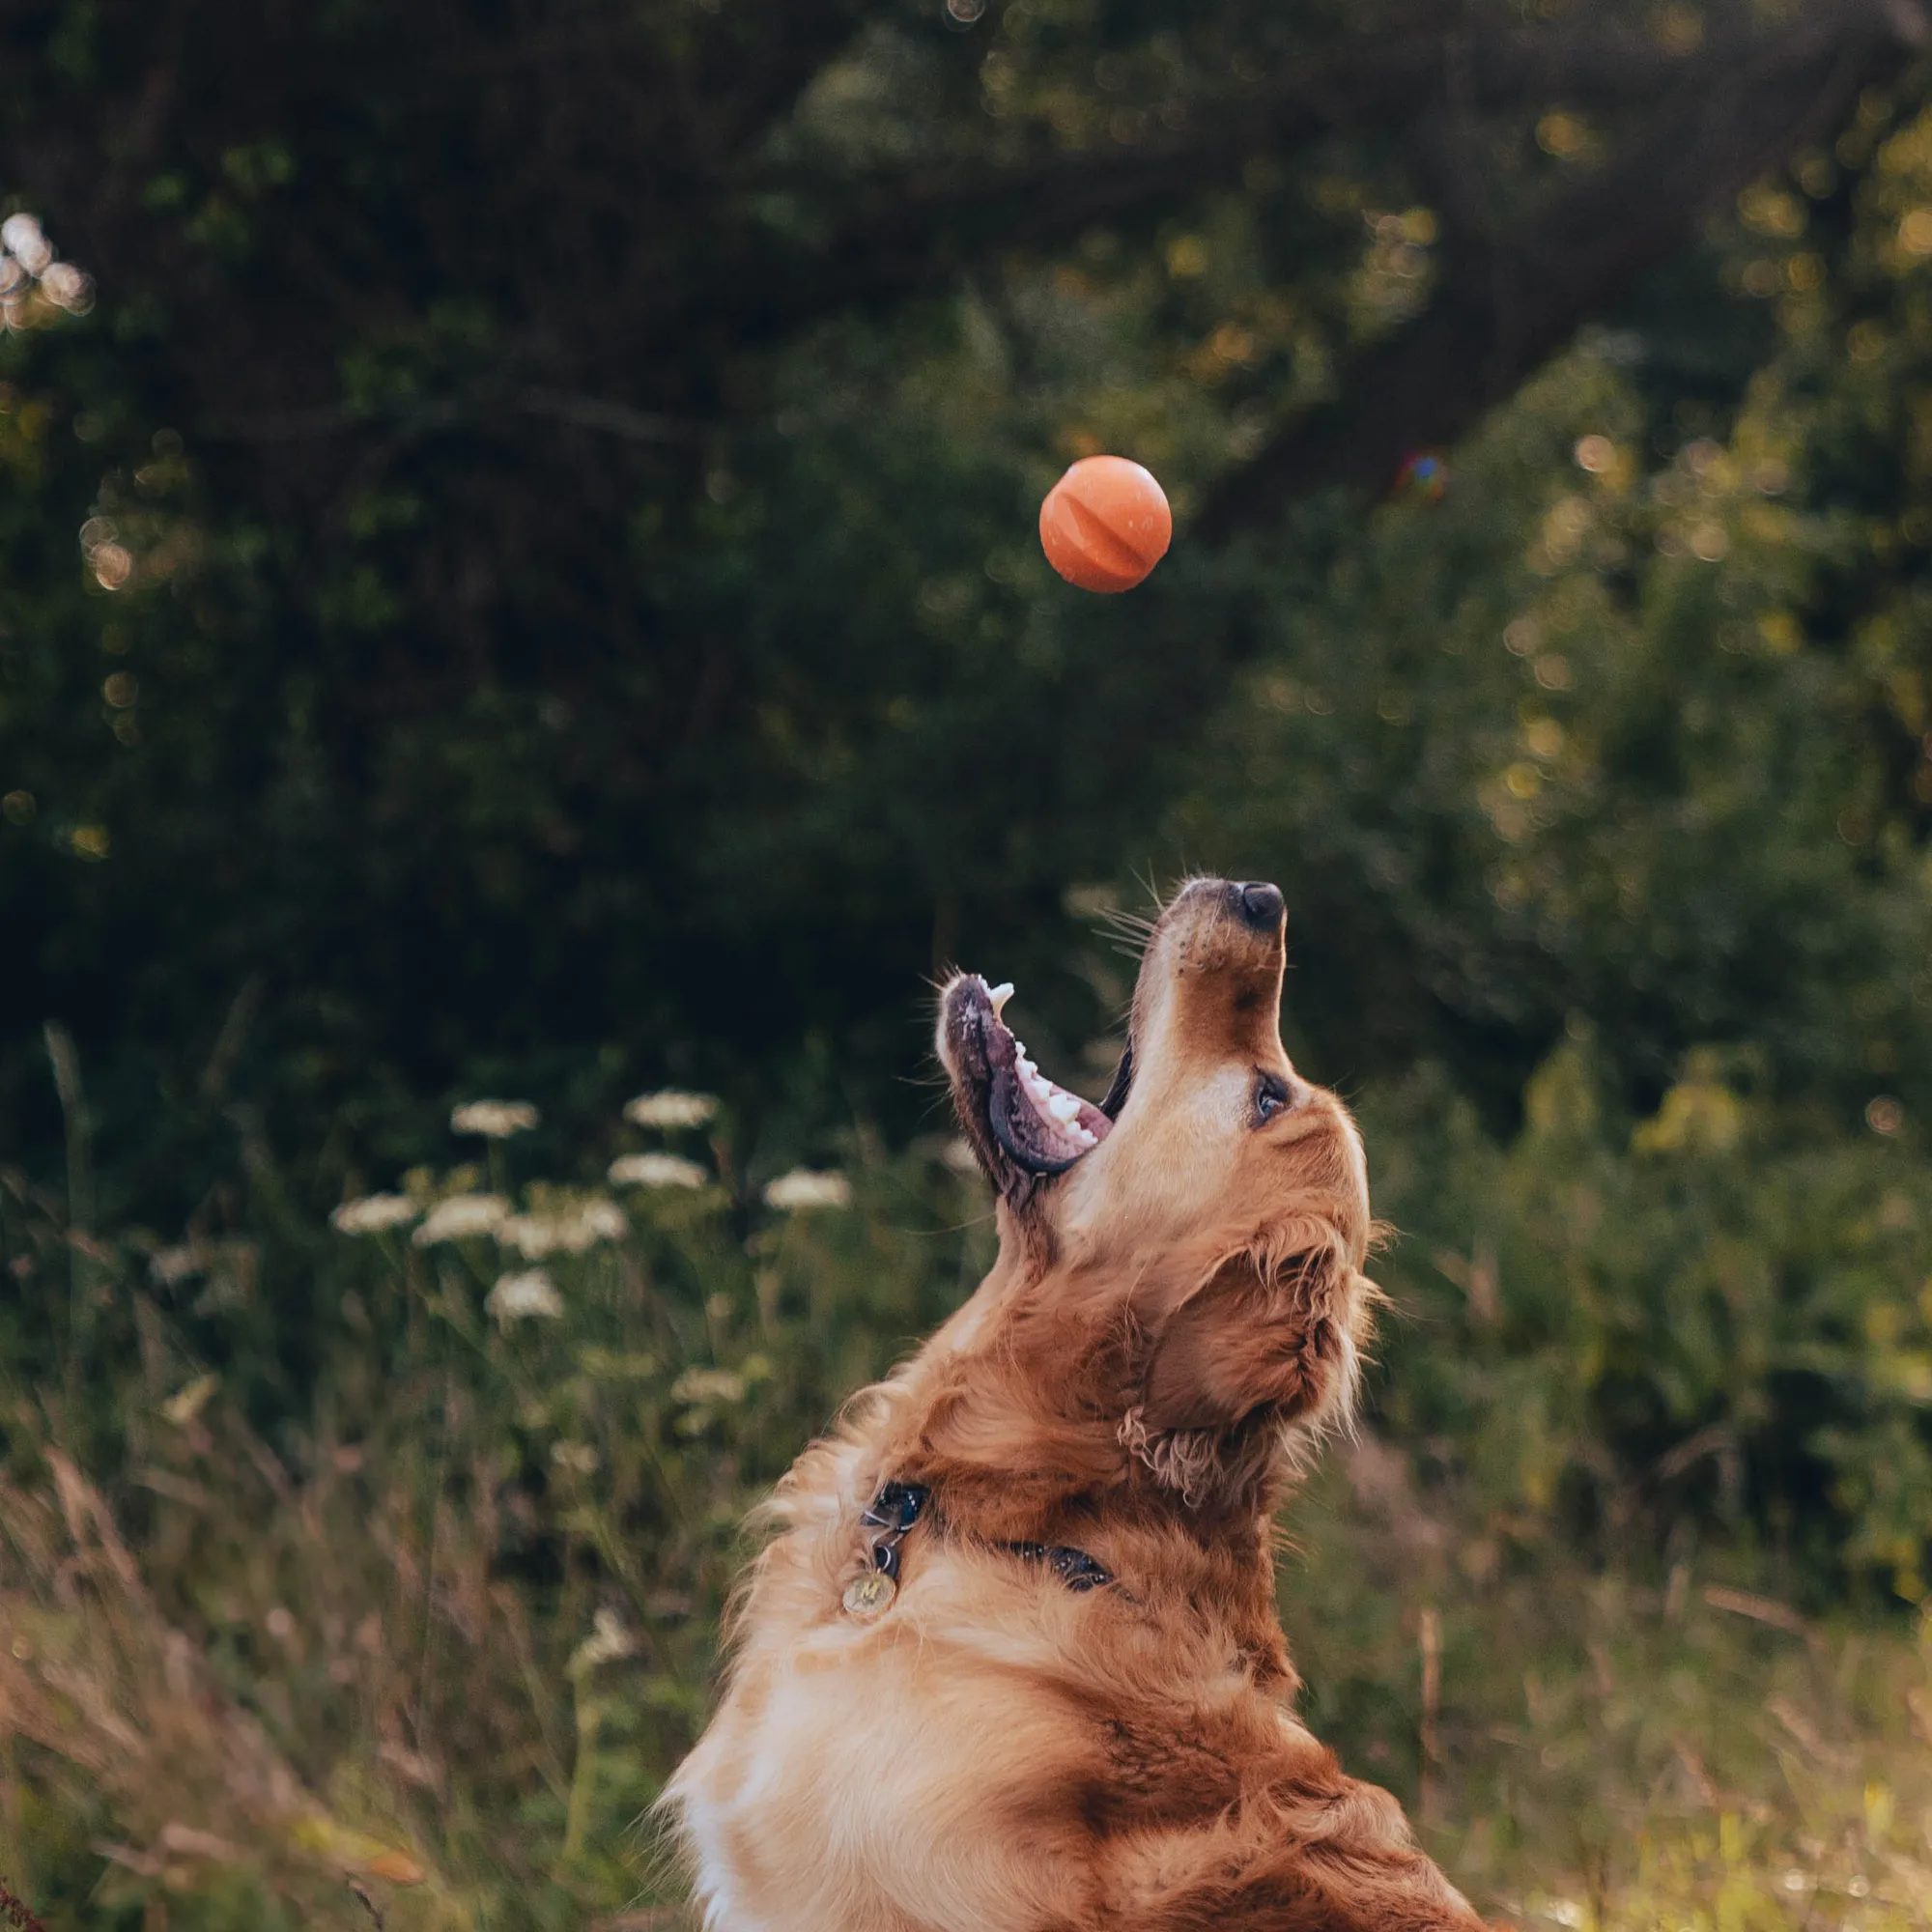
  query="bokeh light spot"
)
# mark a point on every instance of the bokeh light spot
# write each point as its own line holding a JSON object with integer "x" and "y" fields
{"x": 1915, "y": 233}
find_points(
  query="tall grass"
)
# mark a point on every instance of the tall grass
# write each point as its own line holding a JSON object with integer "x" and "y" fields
{"x": 404, "y": 1621}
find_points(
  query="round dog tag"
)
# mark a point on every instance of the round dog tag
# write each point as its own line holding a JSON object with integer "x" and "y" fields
{"x": 870, "y": 1595}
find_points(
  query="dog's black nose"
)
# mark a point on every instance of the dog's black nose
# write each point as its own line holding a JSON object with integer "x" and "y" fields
{"x": 1260, "y": 905}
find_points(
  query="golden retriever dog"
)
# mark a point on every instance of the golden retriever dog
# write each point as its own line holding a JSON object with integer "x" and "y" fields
{"x": 1011, "y": 1661}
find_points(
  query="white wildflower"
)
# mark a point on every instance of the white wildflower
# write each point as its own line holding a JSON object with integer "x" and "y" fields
{"x": 656, "y": 1170}
{"x": 530, "y": 1293}
{"x": 803, "y": 1188}
{"x": 571, "y": 1229}
{"x": 493, "y": 1120}
{"x": 532, "y": 1236}
{"x": 373, "y": 1214}
{"x": 601, "y": 1220}
{"x": 697, "y": 1385}
{"x": 460, "y": 1217}
{"x": 580, "y": 1457}
{"x": 671, "y": 1107}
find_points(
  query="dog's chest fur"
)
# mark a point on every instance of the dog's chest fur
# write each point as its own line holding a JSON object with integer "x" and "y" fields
{"x": 995, "y": 1753}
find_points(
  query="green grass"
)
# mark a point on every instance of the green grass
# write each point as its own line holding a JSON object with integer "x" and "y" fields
{"x": 1608, "y": 1749}
{"x": 362, "y": 1701}
{"x": 413, "y": 1630}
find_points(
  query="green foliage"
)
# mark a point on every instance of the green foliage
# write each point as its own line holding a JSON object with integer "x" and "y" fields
{"x": 563, "y": 624}
{"x": 521, "y": 577}
{"x": 429, "y": 1643}
{"x": 456, "y": 1609}
{"x": 1712, "y": 1315}
{"x": 1620, "y": 740}
{"x": 1607, "y": 1751}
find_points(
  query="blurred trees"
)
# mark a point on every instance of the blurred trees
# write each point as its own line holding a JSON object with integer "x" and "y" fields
{"x": 524, "y": 579}
{"x": 572, "y": 473}
{"x": 518, "y": 574}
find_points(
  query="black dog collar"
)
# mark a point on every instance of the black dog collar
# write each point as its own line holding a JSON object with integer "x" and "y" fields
{"x": 898, "y": 1506}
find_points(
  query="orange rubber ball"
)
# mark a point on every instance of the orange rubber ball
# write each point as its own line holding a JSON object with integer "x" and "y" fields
{"x": 1105, "y": 523}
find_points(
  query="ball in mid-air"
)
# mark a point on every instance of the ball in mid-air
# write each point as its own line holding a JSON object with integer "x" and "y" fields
{"x": 1105, "y": 523}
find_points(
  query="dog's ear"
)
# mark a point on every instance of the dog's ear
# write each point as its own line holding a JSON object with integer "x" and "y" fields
{"x": 1259, "y": 1333}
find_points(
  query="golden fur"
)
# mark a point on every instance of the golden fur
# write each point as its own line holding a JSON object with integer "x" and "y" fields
{"x": 1168, "y": 1323}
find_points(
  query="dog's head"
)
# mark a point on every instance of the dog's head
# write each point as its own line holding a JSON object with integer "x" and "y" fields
{"x": 1214, "y": 1194}
{"x": 1207, "y": 1139}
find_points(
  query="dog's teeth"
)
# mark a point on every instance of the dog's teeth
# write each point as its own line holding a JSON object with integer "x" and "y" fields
{"x": 1000, "y": 995}
{"x": 1064, "y": 1108}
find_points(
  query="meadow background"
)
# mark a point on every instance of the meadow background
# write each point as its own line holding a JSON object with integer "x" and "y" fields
{"x": 523, "y": 648}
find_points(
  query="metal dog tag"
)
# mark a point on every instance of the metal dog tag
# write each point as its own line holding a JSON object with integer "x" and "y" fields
{"x": 870, "y": 1595}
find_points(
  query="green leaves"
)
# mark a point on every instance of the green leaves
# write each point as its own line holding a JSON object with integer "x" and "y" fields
{"x": 1712, "y": 1311}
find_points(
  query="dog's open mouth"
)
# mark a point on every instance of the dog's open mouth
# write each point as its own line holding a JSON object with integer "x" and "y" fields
{"x": 1008, "y": 1106}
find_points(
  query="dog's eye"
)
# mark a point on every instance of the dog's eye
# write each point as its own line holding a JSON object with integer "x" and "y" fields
{"x": 1271, "y": 1095}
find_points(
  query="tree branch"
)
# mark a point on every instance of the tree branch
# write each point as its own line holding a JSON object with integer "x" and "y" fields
{"x": 916, "y": 233}
{"x": 1510, "y": 303}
